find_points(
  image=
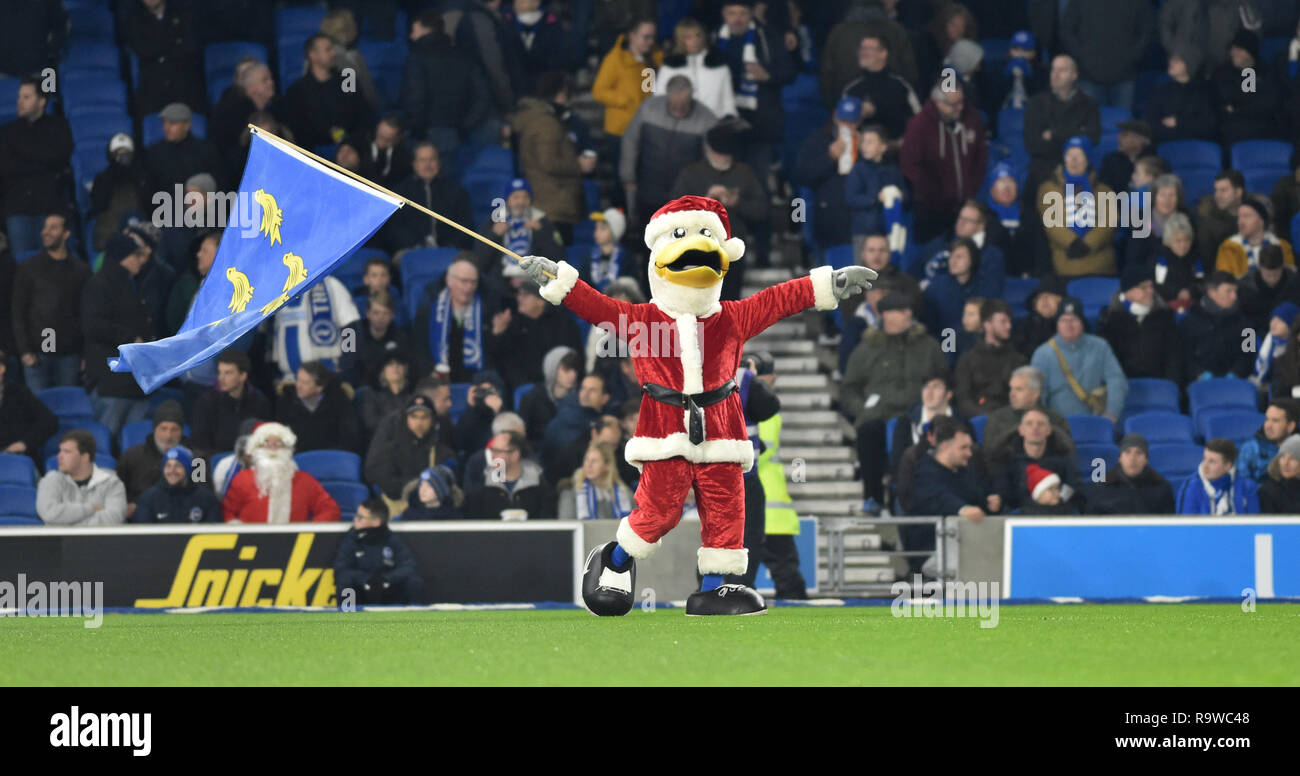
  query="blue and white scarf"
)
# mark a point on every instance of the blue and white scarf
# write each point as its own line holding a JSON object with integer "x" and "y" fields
{"x": 440, "y": 324}
{"x": 1162, "y": 269}
{"x": 1018, "y": 70}
{"x": 1080, "y": 213}
{"x": 1269, "y": 351}
{"x": 871, "y": 317}
{"x": 591, "y": 501}
{"x": 605, "y": 269}
{"x": 519, "y": 238}
{"x": 1009, "y": 215}
{"x": 746, "y": 90}
{"x": 1220, "y": 494}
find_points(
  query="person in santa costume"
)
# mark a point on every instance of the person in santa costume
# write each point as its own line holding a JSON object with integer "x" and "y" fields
{"x": 691, "y": 432}
{"x": 272, "y": 490}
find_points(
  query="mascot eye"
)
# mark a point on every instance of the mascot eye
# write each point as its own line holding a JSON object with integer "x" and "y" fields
{"x": 705, "y": 231}
{"x": 679, "y": 233}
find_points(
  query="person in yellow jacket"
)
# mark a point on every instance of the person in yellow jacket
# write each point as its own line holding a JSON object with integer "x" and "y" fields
{"x": 780, "y": 553}
{"x": 622, "y": 83}
{"x": 1240, "y": 252}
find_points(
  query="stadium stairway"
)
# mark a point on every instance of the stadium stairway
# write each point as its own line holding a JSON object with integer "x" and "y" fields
{"x": 820, "y": 464}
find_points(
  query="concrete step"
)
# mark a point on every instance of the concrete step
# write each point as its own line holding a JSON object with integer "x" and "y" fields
{"x": 828, "y": 507}
{"x": 826, "y": 489}
{"x": 803, "y": 382}
{"x": 816, "y": 472}
{"x": 821, "y": 454}
{"x": 806, "y": 418}
{"x": 810, "y": 436}
{"x": 790, "y": 347}
{"x": 795, "y": 364}
{"x": 812, "y": 400}
{"x": 867, "y": 575}
{"x": 782, "y": 330}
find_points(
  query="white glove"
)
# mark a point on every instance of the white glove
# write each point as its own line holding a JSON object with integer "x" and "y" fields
{"x": 850, "y": 281}
{"x": 539, "y": 269}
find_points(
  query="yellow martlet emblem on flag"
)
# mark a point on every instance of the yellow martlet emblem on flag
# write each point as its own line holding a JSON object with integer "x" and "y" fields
{"x": 243, "y": 291}
{"x": 297, "y": 274}
{"x": 272, "y": 215}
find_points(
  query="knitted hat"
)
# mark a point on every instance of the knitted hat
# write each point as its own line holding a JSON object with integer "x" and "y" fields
{"x": 1245, "y": 39}
{"x": 1040, "y": 480}
{"x": 849, "y": 108}
{"x": 1134, "y": 440}
{"x": 894, "y": 300}
{"x": 965, "y": 55}
{"x": 1134, "y": 275}
{"x": 1290, "y": 446}
{"x": 1258, "y": 207}
{"x": 169, "y": 411}
{"x": 1078, "y": 141}
{"x": 1070, "y": 306}
{"x": 517, "y": 184}
{"x": 1287, "y": 311}
{"x": 264, "y": 432}
{"x": 440, "y": 478}
{"x": 1003, "y": 170}
{"x": 419, "y": 403}
{"x": 721, "y": 139}
{"x": 616, "y": 220}
{"x": 1024, "y": 39}
{"x": 118, "y": 247}
{"x": 692, "y": 211}
{"x": 178, "y": 453}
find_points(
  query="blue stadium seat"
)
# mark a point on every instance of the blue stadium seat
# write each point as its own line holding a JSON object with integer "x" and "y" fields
{"x": 482, "y": 192}
{"x": 1260, "y": 153}
{"x": 20, "y": 258}
{"x": 152, "y": 130}
{"x": 996, "y": 51}
{"x": 93, "y": 57}
{"x": 804, "y": 91}
{"x": 1192, "y": 155}
{"x": 1261, "y": 180}
{"x": 1091, "y": 429}
{"x": 67, "y": 401}
{"x": 1235, "y": 424}
{"x": 163, "y": 394}
{"x": 839, "y": 256}
{"x": 18, "y": 500}
{"x": 1161, "y": 427}
{"x": 93, "y": 128}
{"x": 1147, "y": 81}
{"x": 520, "y": 391}
{"x": 219, "y": 60}
{"x": 1094, "y": 292}
{"x": 90, "y": 23}
{"x": 413, "y": 296}
{"x": 348, "y": 495}
{"x": 1151, "y": 393}
{"x": 978, "y": 423}
{"x": 1269, "y": 48}
{"x": 16, "y": 470}
{"x": 102, "y": 460}
{"x": 578, "y": 255}
{"x": 19, "y": 520}
{"x": 83, "y": 90}
{"x": 1175, "y": 462}
{"x": 459, "y": 399}
{"x": 429, "y": 263}
{"x": 1086, "y": 456}
{"x": 1220, "y": 393}
{"x": 353, "y": 267}
{"x": 1111, "y": 117}
{"x": 386, "y": 61}
{"x": 8, "y": 99}
{"x": 1197, "y": 183}
{"x": 1016, "y": 292}
{"x": 334, "y": 465}
{"x": 134, "y": 433}
{"x": 486, "y": 161}
{"x": 103, "y": 437}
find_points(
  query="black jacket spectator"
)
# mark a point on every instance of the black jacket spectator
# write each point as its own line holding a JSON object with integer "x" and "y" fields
{"x": 24, "y": 418}
{"x": 1188, "y": 104}
{"x": 1278, "y": 495}
{"x": 1257, "y": 298}
{"x": 1211, "y": 340}
{"x": 1107, "y": 38}
{"x": 894, "y": 99}
{"x": 1143, "y": 348}
{"x": 378, "y": 403}
{"x": 1029, "y": 332}
{"x": 311, "y": 108}
{"x": 1182, "y": 273}
{"x": 396, "y": 458}
{"x": 47, "y": 295}
{"x": 170, "y": 53}
{"x": 362, "y": 365}
{"x": 1146, "y": 494}
{"x": 331, "y": 426}
{"x": 485, "y": 499}
{"x": 377, "y": 556}
{"x": 545, "y": 45}
{"x": 1247, "y": 115}
{"x": 815, "y": 169}
{"x": 34, "y": 158}
{"x": 182, "y": 503}
{"x": 1077, "y": 116}
{"x": 385, "y": 166}
{"x": 434, "y": 98}
{"x": 408, "y": 227}
{"x": 474, "y": 428}
{"x": 217, "y": 416}
{"x": 980, "y": 380}
{"x": 230, "y": 118}
{"x": 768, "y": 117}
{"x": 118, "y": 190}
{"x": 112, "y": 313}
{"x": 938, "y": 490}
{"x": 518, "y": 351}
{"x": 173, "y": 163}
{"x": 499, "y": 51}
{"x": 32, "y": 36}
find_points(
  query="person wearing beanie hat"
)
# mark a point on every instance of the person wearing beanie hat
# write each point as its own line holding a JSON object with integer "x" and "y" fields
{"x": 1140, "y": 329}
{"x": 691, "y": 429}
{"x": 398, "y": 453}
{"x": 1132, "y": 487}
{"x": 1081, "y": 375}
{"x": 608, "y": 259}
{"x": 1268, "y": 284}
{"x": 1070, "y": 203}
{"x": 273, "y": 490}
{"x": 435, "y": 496}
{"x": 522, "y": 227}
{"x": 374, "y": 565}
{"x": 140, "y": 466}
{"x": 1254, "y": 455}
{"x": 176, "y": 497}
{"x": 1246, "y": 114}
{"x": 1279, "y": 492}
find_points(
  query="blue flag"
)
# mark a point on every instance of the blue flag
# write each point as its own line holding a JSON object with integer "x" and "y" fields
{"x": 305, "y": 218}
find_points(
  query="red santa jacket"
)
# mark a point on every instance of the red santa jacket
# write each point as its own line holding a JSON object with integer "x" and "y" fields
{"x": 244, "y": 503}
{"x": 690, "y": 355}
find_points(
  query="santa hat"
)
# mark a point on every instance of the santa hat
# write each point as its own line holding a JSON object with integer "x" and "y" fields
{"x": 264, "y": 431}
{"x": 695, "y": 212}
{"x": 1040, "y": 480}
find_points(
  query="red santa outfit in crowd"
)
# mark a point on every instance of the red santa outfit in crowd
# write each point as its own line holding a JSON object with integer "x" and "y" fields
{"x": 691, "y": 432}
{"x": 272, "y": 490}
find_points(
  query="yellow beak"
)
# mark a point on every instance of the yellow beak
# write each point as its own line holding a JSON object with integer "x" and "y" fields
{"x": 701, "y": 276}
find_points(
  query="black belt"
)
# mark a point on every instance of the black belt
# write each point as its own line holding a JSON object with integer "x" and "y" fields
{"x": 693, "y": 403}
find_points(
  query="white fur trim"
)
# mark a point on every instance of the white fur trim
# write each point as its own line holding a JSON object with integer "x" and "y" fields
{"x": 1050, "y": 481}
{"x": 688, "y": 339}
{"x": 714, "y": 560}
{"x": 823, "y": 288}
{"x": 558, "y": 287}
{"x": 642, "y": 449}
{"x": 271, "y": 429}
{"x": 633, "y": 544}
{"x": 691, "y": 220}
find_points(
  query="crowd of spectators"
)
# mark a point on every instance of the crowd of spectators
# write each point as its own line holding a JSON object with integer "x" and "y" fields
{"x": 926, "y": 139}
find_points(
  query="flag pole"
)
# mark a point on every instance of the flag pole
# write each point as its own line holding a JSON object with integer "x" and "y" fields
{"x": 338, "y": 168}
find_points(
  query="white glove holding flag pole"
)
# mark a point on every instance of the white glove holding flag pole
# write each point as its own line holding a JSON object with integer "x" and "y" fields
{"x": 850, "y": 281}
{"x": 538, "y": 269}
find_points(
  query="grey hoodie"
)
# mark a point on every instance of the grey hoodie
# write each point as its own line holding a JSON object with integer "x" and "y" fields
{"x": 60, "y": 501}
{"x": 551, "y": 365}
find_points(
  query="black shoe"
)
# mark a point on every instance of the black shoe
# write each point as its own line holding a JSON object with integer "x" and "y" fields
{"x": 607, "y": 589}
{"x": 725, "y": 599}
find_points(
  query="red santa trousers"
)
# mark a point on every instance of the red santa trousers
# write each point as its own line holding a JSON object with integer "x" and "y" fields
{"x": 719, "y": 497}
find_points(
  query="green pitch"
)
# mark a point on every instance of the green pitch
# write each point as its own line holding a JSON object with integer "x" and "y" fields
{"x": 1177, "y": 644}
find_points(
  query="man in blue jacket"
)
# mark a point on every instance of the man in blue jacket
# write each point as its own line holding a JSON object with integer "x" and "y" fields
{"x": 1257, "y": 452}
{"x": 945, "y": 483}
{"x": 176, "y": 498}
{"x": 1090, "y": 362}
{"x": 1216, "y": 488}
{"x": 373, "y": 564}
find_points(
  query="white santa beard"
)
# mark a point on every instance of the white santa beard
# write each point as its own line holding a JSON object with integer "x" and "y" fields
{"x": 274, "y": 473}
{"x": 675, "y": 298}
